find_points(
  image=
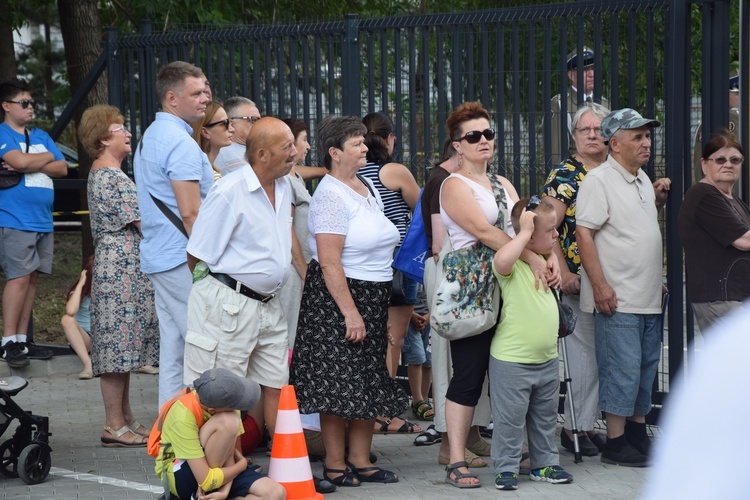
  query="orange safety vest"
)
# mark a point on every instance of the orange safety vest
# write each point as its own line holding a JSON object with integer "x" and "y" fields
{"x": 188, "y": 398}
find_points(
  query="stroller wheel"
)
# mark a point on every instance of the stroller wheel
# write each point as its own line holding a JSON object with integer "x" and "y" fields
{"x": 34, "y": 463}
{"x": 9, "y": 451}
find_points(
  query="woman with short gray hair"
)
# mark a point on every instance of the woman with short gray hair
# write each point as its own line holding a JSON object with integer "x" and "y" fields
{"x": 338, "y": 366}
{"x": 561, "y": 190}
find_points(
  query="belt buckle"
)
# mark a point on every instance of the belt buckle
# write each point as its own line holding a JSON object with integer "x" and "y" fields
{"x": 268, "y": 298}
{"x": 237, "y": 286}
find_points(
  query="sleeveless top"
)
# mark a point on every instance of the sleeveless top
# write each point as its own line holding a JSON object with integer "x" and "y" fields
{"x": 394, "y": 206}
{"x": 460, "y": 238}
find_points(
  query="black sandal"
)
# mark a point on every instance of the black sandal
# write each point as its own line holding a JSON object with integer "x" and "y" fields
{"x": 428, "y": 437}
{"x": 347, "y": 477}
{"x": 378, "y": 475}
{"x": 406, "y": 428}
{"x": 457, "y": 476}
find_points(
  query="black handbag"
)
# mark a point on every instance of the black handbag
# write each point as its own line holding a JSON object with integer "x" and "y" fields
{"x": 11, "y": 178}
{"x": 568, "y": 318}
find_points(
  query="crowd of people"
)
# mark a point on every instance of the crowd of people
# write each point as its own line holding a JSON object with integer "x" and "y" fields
{"x": 217, "y": 268}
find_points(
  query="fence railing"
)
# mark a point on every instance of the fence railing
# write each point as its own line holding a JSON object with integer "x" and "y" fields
{"x": 417, "y": 68}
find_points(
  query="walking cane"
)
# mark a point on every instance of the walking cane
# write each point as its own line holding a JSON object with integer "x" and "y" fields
{"x": 569, "y": 394}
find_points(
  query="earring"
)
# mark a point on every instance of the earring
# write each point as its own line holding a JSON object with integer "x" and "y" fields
{"x": 460, "y": 159}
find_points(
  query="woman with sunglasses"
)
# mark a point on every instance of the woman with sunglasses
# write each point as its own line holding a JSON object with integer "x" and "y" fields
{"x": 715, "y": 232}
{"x": 213, "y": 132}
{"x": 471, "y": 214}
{"x": 124, "y": 328}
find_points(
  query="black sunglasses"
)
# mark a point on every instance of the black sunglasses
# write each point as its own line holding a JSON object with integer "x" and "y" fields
{"x": 475, "y": 136}
{"x": 25, "y": 103}
{"x": 534, "y": 202}
{"x": 224, "y": 122}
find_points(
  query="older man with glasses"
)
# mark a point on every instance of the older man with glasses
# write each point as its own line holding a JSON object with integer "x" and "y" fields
{"x": 243, "y": 113}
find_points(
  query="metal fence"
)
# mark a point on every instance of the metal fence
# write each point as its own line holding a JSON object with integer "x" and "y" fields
{"x": 417, "y": 68}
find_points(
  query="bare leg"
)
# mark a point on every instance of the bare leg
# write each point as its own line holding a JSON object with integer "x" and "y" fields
{"x": 398, "y": 320}
{"x": 333, "y": 430}
{"x": 415, "y": 382}
{"x": 28, "y": 303}
{"x": 14, "y": 295}
{"x": 113, "y": 386}
{"x": 79, "y": 340}
{"x": 426, "y": 380}
{"x": 458, "y": 420}
{"x": 270, "y": 407}
{"x": 218, "y": 439}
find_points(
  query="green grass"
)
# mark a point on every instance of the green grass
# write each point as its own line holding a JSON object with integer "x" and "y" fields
{"x": 52, "y": 290}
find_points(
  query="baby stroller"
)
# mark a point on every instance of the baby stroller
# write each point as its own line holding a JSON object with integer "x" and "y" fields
{"x": 27, "y": 452}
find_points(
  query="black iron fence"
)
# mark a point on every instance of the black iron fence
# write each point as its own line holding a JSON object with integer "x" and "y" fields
{"x": 417, "y": 68}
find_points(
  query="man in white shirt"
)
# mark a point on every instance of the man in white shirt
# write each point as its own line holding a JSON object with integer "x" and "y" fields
{"x": 243, "y": 113}
{"x": 620, "y": 245}
{"x": 243, "y": 236}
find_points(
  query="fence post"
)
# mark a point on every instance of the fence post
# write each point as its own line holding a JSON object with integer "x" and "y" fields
{"x": 677, "y": 120}
{"x": 114, "y": 69}
{"x": 350, "y": 84}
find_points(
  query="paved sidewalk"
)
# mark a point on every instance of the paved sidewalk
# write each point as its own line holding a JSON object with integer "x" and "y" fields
{"x": 83, "y": 469}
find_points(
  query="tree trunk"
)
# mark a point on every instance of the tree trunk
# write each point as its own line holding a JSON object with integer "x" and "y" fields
{"x": 82, "y": 34}
{"x": 7, "y": 52}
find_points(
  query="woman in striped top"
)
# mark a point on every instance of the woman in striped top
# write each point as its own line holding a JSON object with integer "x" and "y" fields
{"x": 399, "y": 192}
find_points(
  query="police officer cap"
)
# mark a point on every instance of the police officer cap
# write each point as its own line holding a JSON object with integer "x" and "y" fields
{"x": 587, "y": 55}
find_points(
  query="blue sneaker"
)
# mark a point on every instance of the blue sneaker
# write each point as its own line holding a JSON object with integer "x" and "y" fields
{"x": 552, "y": 474}
{"x": 506, "y": 481}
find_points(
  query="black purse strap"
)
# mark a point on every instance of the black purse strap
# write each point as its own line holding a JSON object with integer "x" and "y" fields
{"x": 176, "y": 221}
{"x": 367, "y": 185}
{"x": 26, "y": 136}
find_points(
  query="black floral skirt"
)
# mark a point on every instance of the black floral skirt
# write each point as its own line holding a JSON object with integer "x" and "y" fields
{"x": 332, "y": 375}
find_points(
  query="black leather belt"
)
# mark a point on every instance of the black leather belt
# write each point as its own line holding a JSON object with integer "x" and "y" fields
{"x": 240, "y": 288}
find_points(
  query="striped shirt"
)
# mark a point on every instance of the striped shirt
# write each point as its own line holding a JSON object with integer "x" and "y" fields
{"x": 394, "y": 206}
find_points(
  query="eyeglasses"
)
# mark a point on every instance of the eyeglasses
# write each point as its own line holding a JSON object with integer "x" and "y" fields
{"x": 224, "y": 122}
{"x": 121, "y": 128}
{"x": 475, "y": 136}
{"x": 251, "y": 119}
{"x": 734, "y": 160}
{"x": 25, "y": 103}
{"x": 587, "y": 130}
{"x": 534, "y": 202}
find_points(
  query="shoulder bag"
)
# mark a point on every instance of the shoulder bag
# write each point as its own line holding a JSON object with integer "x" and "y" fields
{"x": 11, "y": 178}
{"x": 465, "y": 296}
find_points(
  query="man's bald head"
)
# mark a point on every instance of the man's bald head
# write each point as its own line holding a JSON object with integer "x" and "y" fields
{"x": 270, "y": 147}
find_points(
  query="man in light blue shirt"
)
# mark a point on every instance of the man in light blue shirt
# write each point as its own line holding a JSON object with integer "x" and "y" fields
{"x": 170, "y": 167}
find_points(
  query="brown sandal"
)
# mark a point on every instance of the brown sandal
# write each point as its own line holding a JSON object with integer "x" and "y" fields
{"x": 138, "y": 441}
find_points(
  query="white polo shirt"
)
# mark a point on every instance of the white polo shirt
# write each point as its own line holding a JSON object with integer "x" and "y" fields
{"x": 621, "y": 208}
{"x": 239, "y": 233}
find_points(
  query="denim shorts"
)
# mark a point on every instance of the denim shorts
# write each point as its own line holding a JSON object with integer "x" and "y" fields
{"x": 416, "y": 350}
{"x": 627, "y": 352}
{"x": 408, "y": 287}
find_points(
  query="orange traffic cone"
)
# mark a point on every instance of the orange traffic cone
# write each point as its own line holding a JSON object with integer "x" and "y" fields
{"x": 290, "y": 465}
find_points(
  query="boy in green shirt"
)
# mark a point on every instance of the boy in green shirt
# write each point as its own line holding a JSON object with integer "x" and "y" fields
{"x": 202, "y": 457}
{"x": 524, "y": 381}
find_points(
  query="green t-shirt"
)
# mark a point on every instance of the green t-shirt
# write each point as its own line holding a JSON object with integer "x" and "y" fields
{"x": 180, "y": 430}
{"x": 529, "y": 320}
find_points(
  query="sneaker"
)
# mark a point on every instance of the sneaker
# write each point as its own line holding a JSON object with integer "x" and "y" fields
{"x": 14, "y": 356}
{"x": 552, "y": 474}
{"x": 33, "y": 351}
{"x": 627, "y": 456}
{"x": 506, "y": 481}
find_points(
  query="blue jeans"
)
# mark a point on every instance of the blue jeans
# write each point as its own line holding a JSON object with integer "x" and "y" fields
{"x": 416, "y": 350}
{"x": 627, "y": 352}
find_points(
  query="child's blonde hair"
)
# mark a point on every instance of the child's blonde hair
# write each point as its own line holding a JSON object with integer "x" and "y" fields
{"x": 535, "y": 204}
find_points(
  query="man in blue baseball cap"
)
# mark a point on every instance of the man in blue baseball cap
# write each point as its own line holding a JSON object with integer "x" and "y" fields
{"x": 620, "y": 246}
{"x": 586, "y": 86}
